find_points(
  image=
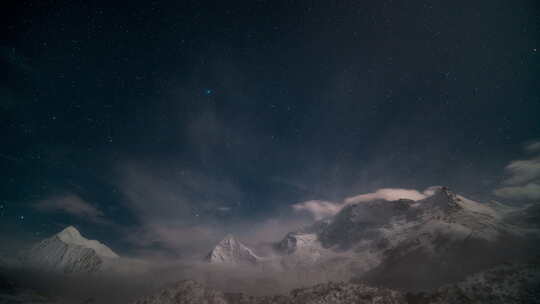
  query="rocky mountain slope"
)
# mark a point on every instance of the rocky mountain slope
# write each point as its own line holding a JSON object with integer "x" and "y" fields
{"x": 68, "y": 252}
{"x": 504, "y": 284}
{"x": 509, "y": 283}
{"x": 188, "y": 292}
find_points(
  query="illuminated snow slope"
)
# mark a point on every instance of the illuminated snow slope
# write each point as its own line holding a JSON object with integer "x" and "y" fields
{"x": 68, "y": 252}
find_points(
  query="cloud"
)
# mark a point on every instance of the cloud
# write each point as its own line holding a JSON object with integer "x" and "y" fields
{"x": 318, "y": 209}
{"x": 322, "y": 209}
{"x": 522, "y": 171}
{"x": 523, "y": 182}
{"x": 533, "y": 147}
{"x": 530, "y": 191}
{"x": 177, "y": 238}
{"x": 73, "y": 205}
{"x": 176, "y": 211}
{"x": 431, "y": 190}
{"x": 389, "y": 194}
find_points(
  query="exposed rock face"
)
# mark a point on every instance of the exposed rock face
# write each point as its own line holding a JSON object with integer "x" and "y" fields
{"x": 345, "y": 293}
{"x": 505, "y": 284}
{"x": 230, "y": 251}
{"x": 68, "y": 252}
{"x": 187, "y": 292}
{"x": 301, "y": 250}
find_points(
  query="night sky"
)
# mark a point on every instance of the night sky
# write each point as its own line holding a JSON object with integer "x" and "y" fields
{"x": 157, "y": 125}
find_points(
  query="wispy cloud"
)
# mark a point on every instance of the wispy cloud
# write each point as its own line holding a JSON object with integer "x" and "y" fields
{"x": 523, "y": 182}
{"x": 318, "y": 209}
{"x": 533, "y": 146}
{"x": 530, "y": 191}
{"x": 522, "y": 171}
{"x": 178, "y": 212}
{"x": 389, "y": 194}
{"x": 73, "y": 205}
{"x": 323, "y": 209}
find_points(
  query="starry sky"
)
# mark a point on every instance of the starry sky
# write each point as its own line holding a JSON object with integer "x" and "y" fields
{"x": 160, "y": 124}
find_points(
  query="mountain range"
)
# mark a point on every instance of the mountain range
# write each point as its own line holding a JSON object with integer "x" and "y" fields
{"x": 444, "y": 248}
{"x": 414, "y": 245}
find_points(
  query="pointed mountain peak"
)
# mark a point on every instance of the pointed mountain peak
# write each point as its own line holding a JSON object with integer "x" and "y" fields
{"x": 229, "y": 238}
{"x": 231, "y": 251}
{"x": 447, "y": 201}
{"x": 443, "y": 198}
{"x": 70, "y": 235}
{"x": 442, "y": 191}
{"x": 68, "y": 252}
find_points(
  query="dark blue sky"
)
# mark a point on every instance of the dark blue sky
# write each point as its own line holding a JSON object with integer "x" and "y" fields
{"x": 184, "y": 112}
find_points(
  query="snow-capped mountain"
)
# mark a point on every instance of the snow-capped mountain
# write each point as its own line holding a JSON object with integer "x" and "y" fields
{"x": 68, "y": 252}
{"x": 411, "y": 244}
{"x": 231, "y": 251}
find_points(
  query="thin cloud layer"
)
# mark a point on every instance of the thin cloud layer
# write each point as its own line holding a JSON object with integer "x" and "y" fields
{"x": 174, "y": 213}
{"x": 523, "y": 171}
{"x": 72, "y": 205}
{"x": 322, "y": 209}
{"x": 318, "y": 209}
{"x": 533, "y": 147}
{"x": 523, "y": 182}
{"x": 389, "y": 194}
{"x": 530, "y": 191}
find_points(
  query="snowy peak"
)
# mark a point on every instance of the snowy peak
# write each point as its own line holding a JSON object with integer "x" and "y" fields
{"x": 448, "y": 202}
{"x": 69, "y": 252}
{"x": 231, "y": 251}
{"x": 443, "y": 199}
{"x": 72, "y": 236}
{"x": 229, "y": 241}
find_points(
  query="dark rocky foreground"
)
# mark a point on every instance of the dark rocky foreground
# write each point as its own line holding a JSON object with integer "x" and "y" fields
{"x": 508, "y": 284}
{"x": 504, "y": 284}
{"x": 187, "y": 292}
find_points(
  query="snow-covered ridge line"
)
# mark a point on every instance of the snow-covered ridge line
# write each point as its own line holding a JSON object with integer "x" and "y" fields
{"x": 71, "y": 235}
